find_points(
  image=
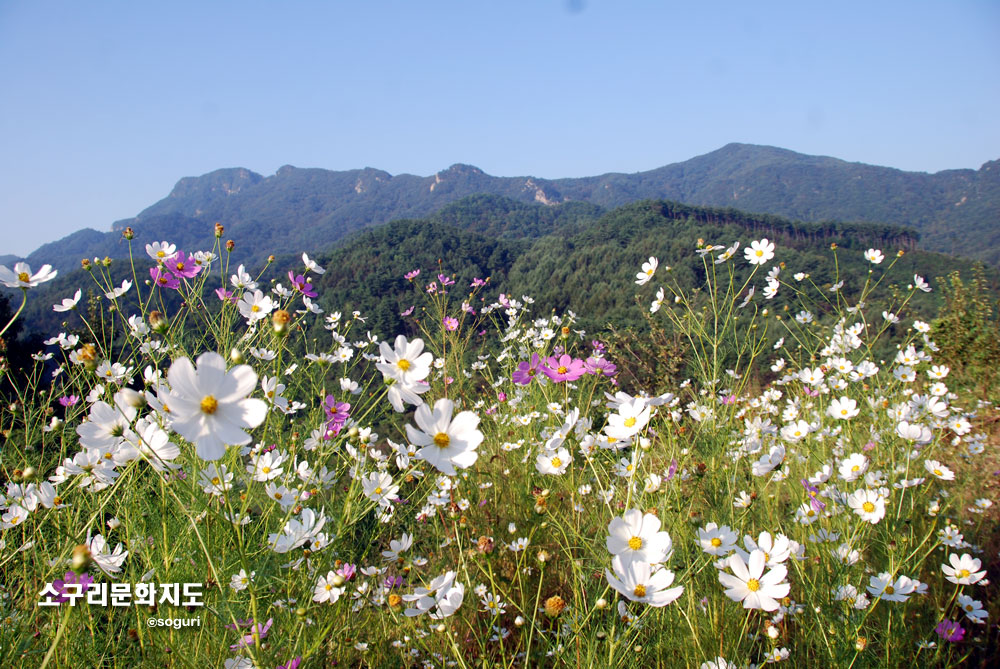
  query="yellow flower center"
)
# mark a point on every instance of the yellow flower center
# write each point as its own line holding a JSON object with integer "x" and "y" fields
{"x": 216, "y": 480}
{"x": 629, "y": 422}
{"x": 868, "y": 507}
{"x": 938, "y": 472}
{"x": 403, "y": 364}
{"x": 277, "y": 495}
{"x": 562, "y": 369}
{"x": 889, "y": 590}
{"x": 329, "y": 587}
{"x": 442, "y": 440}
{"x": 855, "y": 468}
{"x": 716, "y": 542}
{"x": 378, "y": 490}
{"x": 759, "y": 252}
{"x": 640, "y": 591}
{"x": 556, "y": 463}
{"x": 843, "y": 412}
{"x": 209, "y": 405}
{"x": 964, "y": 573}
{"x": 161, "y": 254}
{"x": 635, "y": 543}
{"x": 24, "y": 276}
{"x": 753, "y": 585}
{"x": 255, "y": 308}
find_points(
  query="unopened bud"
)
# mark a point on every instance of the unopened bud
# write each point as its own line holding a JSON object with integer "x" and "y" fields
{"x": 158, "y": 322}
{"x": 132, "y": 398}
{"x": 81, "y": 558}
{"x": 280, "y": 319}
{"x": 236, "y": 355}
{"x": 230, "y": 245}
{"x": 219, "y": 230}
{"x": 85, "y": 264}
{"x": 128, "y": 234}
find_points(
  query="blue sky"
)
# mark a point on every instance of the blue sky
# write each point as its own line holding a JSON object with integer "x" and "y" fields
{"x": 105, "y": 105}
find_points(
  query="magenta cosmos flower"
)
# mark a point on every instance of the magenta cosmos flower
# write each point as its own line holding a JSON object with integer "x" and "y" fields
{"x": 597, "y": 366}
{"x": 163, "y": 278}
{"x": 564, "y": 368}
{"x": 182, "y": 265}
{"x": 450, "y": 324}
{"x": 526, "y": 370}
{"x": 950, "y": 631}
{"x": 301, "y": 284}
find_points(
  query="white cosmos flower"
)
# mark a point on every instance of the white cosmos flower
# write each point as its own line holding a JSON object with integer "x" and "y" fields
{"x": 843, "y": 408}
{"x": 648, "y": 269}
{"x": 939, "y": 470}
{"x": 642, "y": 582}
{"x": 446, "y": 443}
{"x": 776, "y": 549}
{"x": 889, "y": 589}
{"x": 760, "y": 252}
{"x": 255, "y": 306}
{"x": 748, "y": 582}
{"x": 311, "y": 264}
{"x": 963, "y": 570}
{"x": 109, "y": 562}
{"x": 636, "y": 536}
{"x": 405, "y": 367}
{"x": 160, "y": 251}
{"x": 209, "y": 406}
{"x": 326, "y": 589}
{"x": 22, "y": 277}
{"x": 68, "y": 303}
{"x": 631, "y": 418}
{"x": 378, "y": 488}
{"x": 119, "y": 291}
{"x": 154, "y": 443}
{"x": 553, "y": 462}
{"x": 868, "y": 504}
{"x": 874, "y": 256}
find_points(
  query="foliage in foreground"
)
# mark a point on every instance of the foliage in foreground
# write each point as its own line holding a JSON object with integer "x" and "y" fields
{"x": 487, "y": 494}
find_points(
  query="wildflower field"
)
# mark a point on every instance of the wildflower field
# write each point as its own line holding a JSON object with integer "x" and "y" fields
{"x": 208, "y": 469}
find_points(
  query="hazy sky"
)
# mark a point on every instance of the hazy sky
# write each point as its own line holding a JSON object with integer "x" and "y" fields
{"x": 105, "y": 105}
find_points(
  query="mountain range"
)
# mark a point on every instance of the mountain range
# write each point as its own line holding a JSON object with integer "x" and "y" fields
{"x": 954, "y": 211}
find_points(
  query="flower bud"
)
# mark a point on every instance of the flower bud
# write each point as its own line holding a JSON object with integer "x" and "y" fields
{"x": 85, "y": 264}
{"x": 554, "y": 605}
{"x": 337, "y": 580}
{"x": 230, "y": 245}
{"x": 236, "y": 355}
{"x": 81, "y": 558}
{"x": 219, "y": 230}
{"x": 132, "y": 398}
{"x": 601, "y": 604}
{"x": 280, "y": 319}
{"x": 158, "y": 322}
{"x": 128, "y": 234}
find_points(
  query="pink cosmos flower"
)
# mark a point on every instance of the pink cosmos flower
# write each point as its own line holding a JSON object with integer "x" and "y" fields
{"x": 563, "y": 368}
{"x": 248, "y": 640}
{"x": 410, "y": 276}
{"x": 477, "y": 283}
{"x": 71, "y": 578}
{"x": 409, "y": 311}
{"x": 526, "y": 371}
{"x": 337, "y": 414}
{"x": 163, "y": 278}
{"x": 224, "y": 295}
{"x": 597, "y": 366}
{"x": 301, "y": 284}
{"x": 450, "y": 324}
{"x": 68, "y": 400}
{"x": 348, "y": 570}
{"x": 445, "y": 281}
{"x": 182, "y": 265}
{"x": 950, "y": 631}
